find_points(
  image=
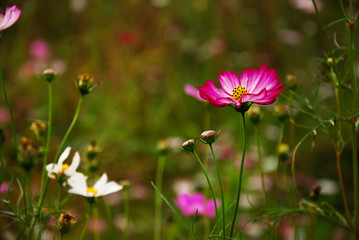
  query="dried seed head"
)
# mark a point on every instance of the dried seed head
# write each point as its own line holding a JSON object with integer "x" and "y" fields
{"x": 65, "y": 221}
{"x": 39, "y": 128}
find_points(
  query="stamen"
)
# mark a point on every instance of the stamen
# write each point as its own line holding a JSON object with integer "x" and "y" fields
{"x": 238, "y": 92}
{"x": 64, "y": 167}
{"x": 91, "y": 190}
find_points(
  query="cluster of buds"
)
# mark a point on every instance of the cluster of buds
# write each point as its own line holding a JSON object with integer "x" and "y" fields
{"x": 254, "y": 114}
{"x": 281, "y": 112}
{"x": 91, "y": 153}
{"x": 38, "y": 128}
{"x": 85, "y": 83}
{"x": 65, "y": 222}
{"x": 29, "y": 153}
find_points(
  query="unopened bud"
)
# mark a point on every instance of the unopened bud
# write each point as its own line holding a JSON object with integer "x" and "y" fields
{"x": 291, "y": 82}
{"x": 254, "y": 114}
{"x": 39, "y": 128}
{"x": 49, "y": 75}
{"x": 125, "y": 184}
{"x": 85, "y": 83}
{"x": 281, "y": 112}
{"x": 330, "y": 61}
{"x": 163, "y": 146}
{"x": 283, "y": 152}
{"x": 315, "y": 192}
{"x": 209, "y": 137}
{"x": 189, "y": 145}
{"x": 92, "y": 150}
{"x": 65, "y": 221}
{"x": 28, "y": 152}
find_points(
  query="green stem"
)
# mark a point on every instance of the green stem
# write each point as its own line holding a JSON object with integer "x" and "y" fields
{"x": 210, "y": 187}
{"x": 206, "y": 126}
{"x": 48, "y": 138}
{"x": 95, "y": 216}
{"x": 109, "y": 219}
{"x": 354, "y": 135}
{"x": 222, "y": 195}
{"x": 260, "y": 165}
{"x": 126, "y": 201}
{"x": 86, "y": 222}
{"x": 57, "y": 209}
{"x": 158, "y": 203}
{"x": 42, "y": 197}
{"x": 240, "y": 174}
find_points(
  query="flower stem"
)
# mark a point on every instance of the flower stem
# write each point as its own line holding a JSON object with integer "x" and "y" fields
{"x": 95, "y": 216}
{"x": 260, "y": 166}
{"x": 354, "y": 135}
{"x": 46, "y": 152}
{"x": 126, "y": 202}
{"x": 22, "y": 178}
{"x": 43, "y": 194}
{"x": 222, "y": 195}
{"x": 86, "y": 222}
{"x": 240, "y": 174}
{"x": 57, "y": 209}
{"x": 210, "y": 187}
{"x": 158, "y": 203}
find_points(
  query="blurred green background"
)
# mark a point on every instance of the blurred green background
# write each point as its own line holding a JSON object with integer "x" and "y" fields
{"x": 142, "y": 53}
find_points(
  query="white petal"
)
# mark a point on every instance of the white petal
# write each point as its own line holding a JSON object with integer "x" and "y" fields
{"x": 64, "y": 155}
{"x": 101, "y": 182}
{"x": 78, "y": 183}
{"x": 75, "y": 163}
{"x": 111, "y": 187}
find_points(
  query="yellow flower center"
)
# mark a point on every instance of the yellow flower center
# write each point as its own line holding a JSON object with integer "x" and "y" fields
{"x": 238, "y": 92}
{"x": 64, "y": 167}
{"x": 91, "y": 190}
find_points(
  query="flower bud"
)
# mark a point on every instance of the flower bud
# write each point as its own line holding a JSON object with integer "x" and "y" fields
{"x": 291, "y": 82}
{"x": 39, "y": 128}
{"x": 163, "y": 146}
{"x": 189, "y": 145}
{"x": 92, "y": 150}
{"x": 65, "y": 221}
{"x": 254, "y": 114}
{"x": 283, "y": 152}
{"x": 85, "y": 83}
{"x": 49, "y": 75}
{"x": 281, "y": 112}
{"x": 209, "y": 137}
{"x": 315, "y": 192}
{"x": 125, "y": 184}
{"x": 28, "y": 152}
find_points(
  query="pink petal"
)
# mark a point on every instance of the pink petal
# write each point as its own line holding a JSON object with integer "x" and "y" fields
{"x": 252, "y": 97}
{"x": 192, "y": 91}
{"x": 228, "y": 81}
{"x": 12, "y": 14}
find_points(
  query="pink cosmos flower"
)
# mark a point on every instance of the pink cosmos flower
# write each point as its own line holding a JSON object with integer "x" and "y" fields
{"x": 193, "y": 92}
{"x": 190, "y": 203}
{"x": 259, "y": 86}
{"x": 12, "y": 14}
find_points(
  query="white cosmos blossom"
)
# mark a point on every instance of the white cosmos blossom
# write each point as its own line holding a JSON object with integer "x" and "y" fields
{"x": 61, "y": 169}
{"x": 102, "y": 186}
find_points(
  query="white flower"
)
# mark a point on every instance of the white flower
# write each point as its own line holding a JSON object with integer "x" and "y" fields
{"x": 102, "y": 187}
{"x": 61, "y": 169}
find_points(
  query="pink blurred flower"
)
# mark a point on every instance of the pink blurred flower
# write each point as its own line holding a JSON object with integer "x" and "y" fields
{"x": 40, "y": 49}
{"x": 4, "y": 187}
{"x": 306, "y": 5}
{"x": 259, "y": 86}
{"x": 190, "y": 203}
{"x": 12, "y": 14}
{"x": 97, "y": 224}
{"x": 193, "y": 92}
